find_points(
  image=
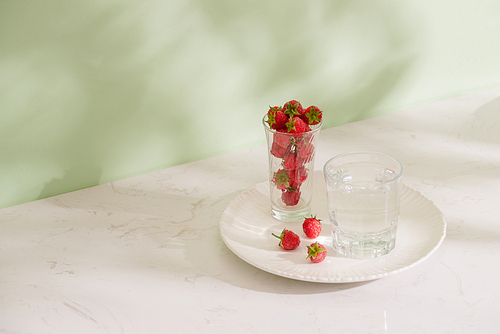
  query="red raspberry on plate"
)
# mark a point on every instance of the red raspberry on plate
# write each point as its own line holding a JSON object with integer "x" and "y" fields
{"x": 312, "y": 227}
{"x": 316, "y": 252}
{"x": 288, "y": 239}
{"x": 290, "y": 196}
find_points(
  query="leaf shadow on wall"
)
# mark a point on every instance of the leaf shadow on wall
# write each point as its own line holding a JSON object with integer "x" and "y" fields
{"x": 113, "y": 90}
{"x": 86, "y": 87}
{"x": 345, "y": 56}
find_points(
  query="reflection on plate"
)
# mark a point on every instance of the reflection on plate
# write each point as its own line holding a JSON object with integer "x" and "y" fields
{"x": 246, "y": 226}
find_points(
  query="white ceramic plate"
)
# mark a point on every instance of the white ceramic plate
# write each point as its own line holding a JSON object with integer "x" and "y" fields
{"x": 246, "y": 226}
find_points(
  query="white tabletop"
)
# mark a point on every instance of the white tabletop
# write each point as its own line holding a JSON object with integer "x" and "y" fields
{"x": 144, "y": 255}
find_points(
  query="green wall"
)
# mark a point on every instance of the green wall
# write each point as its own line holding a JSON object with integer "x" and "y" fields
{"x": 96, "y": 91}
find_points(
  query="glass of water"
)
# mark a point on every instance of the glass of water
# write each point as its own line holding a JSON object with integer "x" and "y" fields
{"x": 364, "y": 195}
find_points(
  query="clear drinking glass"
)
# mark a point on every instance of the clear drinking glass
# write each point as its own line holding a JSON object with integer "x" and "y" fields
{"x": 364, "y": 195}
{"x": 291, "y": 167}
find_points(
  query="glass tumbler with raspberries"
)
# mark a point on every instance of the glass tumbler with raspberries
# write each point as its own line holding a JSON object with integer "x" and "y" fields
{"x": 291, "y": 132}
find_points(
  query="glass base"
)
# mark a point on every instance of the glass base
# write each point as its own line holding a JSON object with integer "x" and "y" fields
{"x": 368, "y": 246}
{"x": 291, "y": 216}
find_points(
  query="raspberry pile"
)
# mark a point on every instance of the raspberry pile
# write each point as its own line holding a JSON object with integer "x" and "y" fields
{"x": 293, "y": 118}
{"x": 292, "y": 144}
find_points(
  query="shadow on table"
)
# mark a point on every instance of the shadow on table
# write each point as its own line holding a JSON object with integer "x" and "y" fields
{"x": 212, "y": 258}
{"x": 246, "y": 276}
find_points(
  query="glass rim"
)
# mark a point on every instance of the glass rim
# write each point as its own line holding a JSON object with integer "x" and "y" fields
{"x": 390, "y": 157}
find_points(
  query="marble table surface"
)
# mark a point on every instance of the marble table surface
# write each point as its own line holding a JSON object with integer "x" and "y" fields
{"x": 145, "y": 255}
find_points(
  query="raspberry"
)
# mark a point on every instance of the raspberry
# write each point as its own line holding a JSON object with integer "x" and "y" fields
{"x": 292, "y": 161}
{"x": 297, "y": 176}
{"x": 312, "y": 227}
{"x": 316, "y": 252}
{"x": 282, "y": 138}
{"x": 312, "y": 115}
{"x": 293, "y": 108}
{"x": 276, "y": 118}
{"x": 277, "y": 150}
{"x": 290, "y": 197}
{"x": 281, "y": 179}
{"x": 305, "y": 149}
{"x": 288, "y": 240}
{"x": 296, "y": 125}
